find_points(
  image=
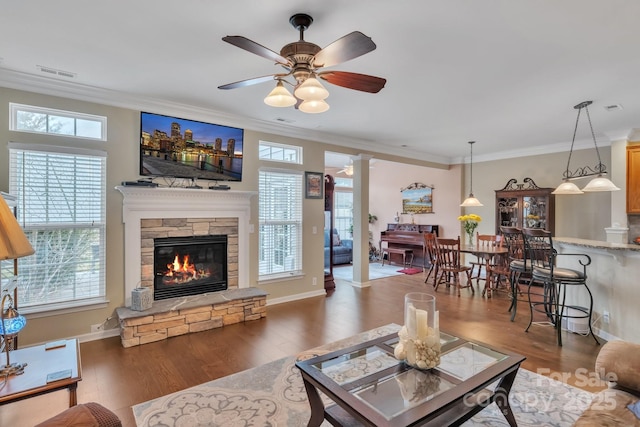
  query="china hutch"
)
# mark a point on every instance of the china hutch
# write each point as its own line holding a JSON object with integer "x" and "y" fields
{"x": 525, "y": 205}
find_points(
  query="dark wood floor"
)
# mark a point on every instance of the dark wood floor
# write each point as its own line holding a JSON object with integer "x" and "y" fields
{"x": 118, "y": 377}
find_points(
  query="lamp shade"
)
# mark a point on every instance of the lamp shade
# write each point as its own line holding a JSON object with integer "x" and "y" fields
{"x": 567, "y": 188}
{"x": 600, "y": 183}
{"x": 12, "y": 325}
{"x": 311, "y": 90}
{"x": 471, "y": 201}
{"x": 13, "y": 243}
{"x": 313, "y": 107}
{"x": 280, "y": 97}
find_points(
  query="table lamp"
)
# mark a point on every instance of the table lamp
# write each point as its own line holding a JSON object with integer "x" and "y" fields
{"x": 13, "y": 245}
{"x": 11, "y": 322}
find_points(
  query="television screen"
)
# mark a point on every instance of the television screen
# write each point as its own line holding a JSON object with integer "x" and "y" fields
{"x": 180, "y": 148}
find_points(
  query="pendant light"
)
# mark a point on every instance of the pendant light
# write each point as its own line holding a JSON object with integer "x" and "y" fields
{"x": 599, "y": 183}
{"x": 471, "y": 200}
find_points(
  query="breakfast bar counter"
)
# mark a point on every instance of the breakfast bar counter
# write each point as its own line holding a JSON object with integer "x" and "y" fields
{"x": 613, "y": 279}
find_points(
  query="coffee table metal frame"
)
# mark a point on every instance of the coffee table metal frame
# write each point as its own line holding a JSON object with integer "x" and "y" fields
{"x": 461, "y": 400}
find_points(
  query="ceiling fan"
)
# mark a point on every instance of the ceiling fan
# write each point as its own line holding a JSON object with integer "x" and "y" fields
{"x": 303, "y": 60}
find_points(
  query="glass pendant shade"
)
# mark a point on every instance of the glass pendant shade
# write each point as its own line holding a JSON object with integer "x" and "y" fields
{"x": 280, "y": 97}
{"x": 600, "y": 183}
{"x": 313, "y": 107}
{"x": 567, "y": 188}
{"x": 12, "y": 323}
{"x": 471, "y": 201}
{"x": 311, "y": 90}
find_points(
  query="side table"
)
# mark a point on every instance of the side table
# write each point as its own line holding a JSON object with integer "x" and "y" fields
{"x": 40, "y": 363}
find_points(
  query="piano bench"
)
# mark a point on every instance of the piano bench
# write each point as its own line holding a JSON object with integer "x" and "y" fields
{"x": 400, "y": 251}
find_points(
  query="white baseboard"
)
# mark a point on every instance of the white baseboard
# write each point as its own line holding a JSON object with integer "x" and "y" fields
{"x": 296, "y": 297}
{"x": 93, "y": 336}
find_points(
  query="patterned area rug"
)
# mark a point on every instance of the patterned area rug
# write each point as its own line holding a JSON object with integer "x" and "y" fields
{"x": 273, "y": 395}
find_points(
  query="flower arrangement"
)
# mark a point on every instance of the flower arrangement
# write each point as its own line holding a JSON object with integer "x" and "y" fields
{"x": 470, "y": 223}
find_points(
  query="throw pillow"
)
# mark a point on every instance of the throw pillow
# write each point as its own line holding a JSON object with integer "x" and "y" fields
{"x": 336, "y": 240}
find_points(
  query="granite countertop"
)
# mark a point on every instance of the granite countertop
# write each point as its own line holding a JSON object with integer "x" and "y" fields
{"x": 596, "y": 244}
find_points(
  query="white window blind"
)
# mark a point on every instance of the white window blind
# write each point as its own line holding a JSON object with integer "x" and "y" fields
{"x": 280, "y": 224}
{"x": 61, "y": 206}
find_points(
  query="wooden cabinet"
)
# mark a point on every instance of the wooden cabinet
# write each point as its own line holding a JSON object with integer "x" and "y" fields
{"x": 525, "y": 206}
{"x": 633, "y": 179}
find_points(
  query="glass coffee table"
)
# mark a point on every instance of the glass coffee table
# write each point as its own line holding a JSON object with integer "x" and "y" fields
{"x": 369, "y": 386}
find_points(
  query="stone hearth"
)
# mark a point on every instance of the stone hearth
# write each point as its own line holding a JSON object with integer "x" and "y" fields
{"x": 179, "y": 316}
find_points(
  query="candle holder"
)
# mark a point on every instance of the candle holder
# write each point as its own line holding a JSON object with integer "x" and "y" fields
{"x": 419, "y": 344}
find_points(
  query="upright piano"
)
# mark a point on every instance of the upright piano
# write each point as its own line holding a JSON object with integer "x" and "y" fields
{"x": 407, "y": 236}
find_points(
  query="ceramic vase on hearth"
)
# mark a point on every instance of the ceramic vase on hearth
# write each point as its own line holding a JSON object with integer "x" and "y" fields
{"x": 419, "y": 345}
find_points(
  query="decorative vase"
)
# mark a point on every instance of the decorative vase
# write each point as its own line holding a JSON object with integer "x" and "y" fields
{"x": 470, "y": 238}
{"x": 419, "y": 344}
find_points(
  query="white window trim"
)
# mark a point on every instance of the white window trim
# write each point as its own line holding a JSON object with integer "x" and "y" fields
{"x": 296, "y": 148}
{"x": 81, "y": 304}
{"x": 15, "y": 108}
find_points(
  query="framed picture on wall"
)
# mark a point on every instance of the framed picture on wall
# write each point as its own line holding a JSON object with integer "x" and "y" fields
{"x": 417, "y": 198}
{"x": 313, "y": 185}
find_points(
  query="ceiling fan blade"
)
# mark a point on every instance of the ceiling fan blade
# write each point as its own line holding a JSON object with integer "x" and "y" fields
{"x": 348, "y": 47}
{"x": 258, "y": 49}
{"x": 248, "y": 82}
{"x": 362, "y": 82}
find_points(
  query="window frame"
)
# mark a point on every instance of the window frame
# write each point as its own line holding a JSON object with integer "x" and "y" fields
{"x": 264, "y": 145}
{"x": 294, "y": 243}
{"x": 97, "y": 298}
{"x": 15, "y": 109}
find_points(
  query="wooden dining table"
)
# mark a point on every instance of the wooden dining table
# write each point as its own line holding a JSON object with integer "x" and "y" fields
{"x": 485, "y": 252}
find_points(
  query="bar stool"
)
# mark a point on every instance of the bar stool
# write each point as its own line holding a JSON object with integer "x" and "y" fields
{"x": 555, "y": 280}
{"x": 519, "y": 266}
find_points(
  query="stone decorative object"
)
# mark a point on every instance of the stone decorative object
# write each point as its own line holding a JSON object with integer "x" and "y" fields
{"x": 419, "y": 344}
{"x": 141, "y": 299}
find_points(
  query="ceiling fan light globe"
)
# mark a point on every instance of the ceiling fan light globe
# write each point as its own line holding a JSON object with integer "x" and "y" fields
{"x": 567, "y": 188}
{"x": 311, "y": 90}
{"x": 600, "y": 183}
{"x": 280, "y": 97}
{"x": 314, "y": 107}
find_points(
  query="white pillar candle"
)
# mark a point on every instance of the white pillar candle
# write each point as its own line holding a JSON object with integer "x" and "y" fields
{"x": 410, "y": 321}
{"x": 422, "y": 324}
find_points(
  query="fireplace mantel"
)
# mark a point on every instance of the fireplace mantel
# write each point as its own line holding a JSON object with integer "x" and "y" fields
{"x": 155, "y": 203}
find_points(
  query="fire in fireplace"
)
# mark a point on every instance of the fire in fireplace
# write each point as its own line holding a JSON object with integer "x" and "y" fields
{"x": 189, "y": 265}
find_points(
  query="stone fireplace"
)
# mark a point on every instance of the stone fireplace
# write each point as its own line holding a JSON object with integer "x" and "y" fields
{"x": 163, "y": 226}
{"x": 157, "y": 213}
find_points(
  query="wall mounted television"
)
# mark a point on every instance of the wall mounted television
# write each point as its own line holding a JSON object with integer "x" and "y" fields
{"x": 181, "y": 148}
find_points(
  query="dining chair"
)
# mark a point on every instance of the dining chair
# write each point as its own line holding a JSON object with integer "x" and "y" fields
{"x": 555, "y": 280}
{"x": 498, "y": 271}
{"x": 482, "y": 240}
{"x": 449, "y": 266}
{"x": 431, "y": 255}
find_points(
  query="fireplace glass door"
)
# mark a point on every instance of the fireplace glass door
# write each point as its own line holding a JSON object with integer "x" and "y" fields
{"x": 189, "y": 265}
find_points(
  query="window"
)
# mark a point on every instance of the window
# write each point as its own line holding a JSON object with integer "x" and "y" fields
{"x": 343, "y": 207}
{"x": 27, "y": 118}
{"x": 280, "y": 152}
{"x": 280, "y": 224}
{"x": 61, "y": 206}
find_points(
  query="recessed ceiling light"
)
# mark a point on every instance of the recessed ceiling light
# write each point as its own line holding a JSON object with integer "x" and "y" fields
{"x": 613, "y": 107}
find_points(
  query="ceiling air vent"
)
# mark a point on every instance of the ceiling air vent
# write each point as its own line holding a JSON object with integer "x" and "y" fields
{"x": 614, "y": 107}
{"x": 61, "y": 73}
